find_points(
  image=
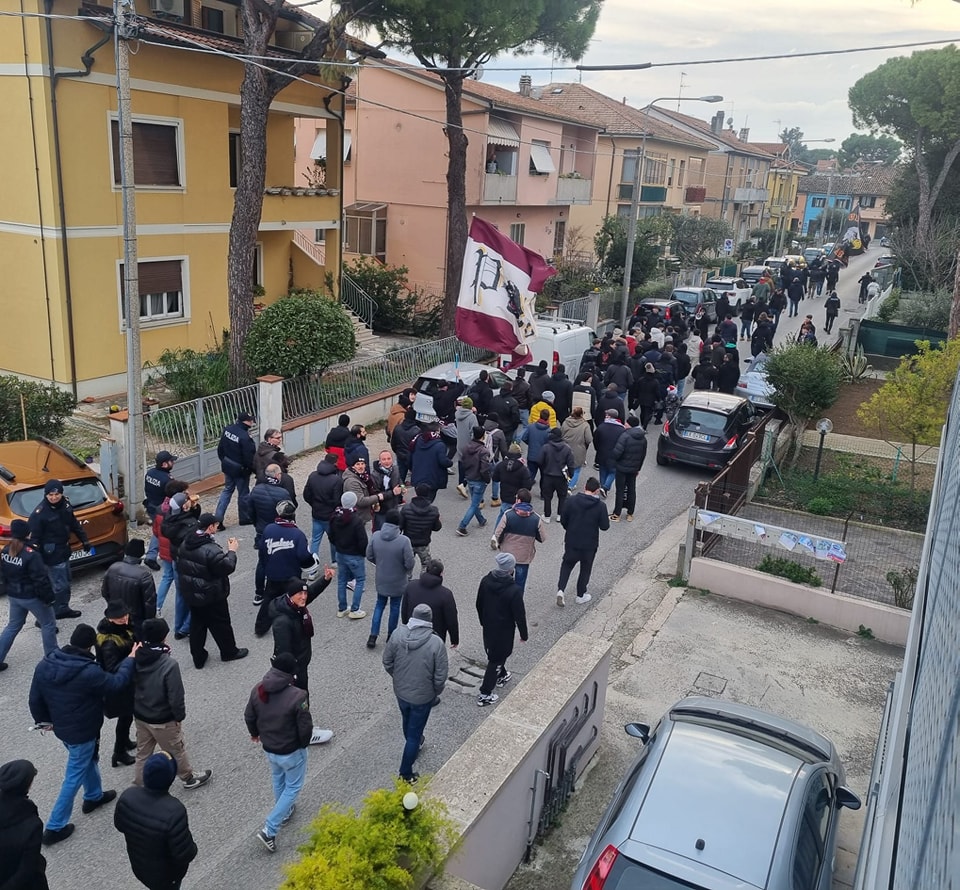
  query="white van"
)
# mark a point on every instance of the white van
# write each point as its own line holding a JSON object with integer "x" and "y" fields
{"x": 558, "y": 342}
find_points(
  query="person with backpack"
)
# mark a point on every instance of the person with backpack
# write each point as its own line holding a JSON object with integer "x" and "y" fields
{"x": 517, "y": 533}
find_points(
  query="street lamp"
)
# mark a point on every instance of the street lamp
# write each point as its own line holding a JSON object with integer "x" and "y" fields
{"x": 635, "y": 198}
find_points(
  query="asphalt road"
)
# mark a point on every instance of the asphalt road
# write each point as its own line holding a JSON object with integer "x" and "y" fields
{"x": 350, "y": 692}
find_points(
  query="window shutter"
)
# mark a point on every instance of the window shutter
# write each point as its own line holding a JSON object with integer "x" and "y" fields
{"x": 154, "y": 154}
{"x": 156, "y": 278}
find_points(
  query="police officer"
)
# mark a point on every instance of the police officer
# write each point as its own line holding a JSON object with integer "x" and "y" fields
{"x": 28, "y": 590}
{"x": 154, "y": 488}
{"x": 236, "y": 452}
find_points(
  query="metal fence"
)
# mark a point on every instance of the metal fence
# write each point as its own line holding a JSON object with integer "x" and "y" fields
{"x": 191, "y": 430}
{"x": 313, "y": 393}
{"x": 576, "y": 310}
{"x": 357, "y": 300}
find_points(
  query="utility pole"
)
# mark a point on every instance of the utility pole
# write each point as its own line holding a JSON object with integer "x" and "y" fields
{"x": 125, "y": 28}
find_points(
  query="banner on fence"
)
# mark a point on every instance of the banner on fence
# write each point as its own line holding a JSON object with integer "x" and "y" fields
{"x": 751, "y": 531}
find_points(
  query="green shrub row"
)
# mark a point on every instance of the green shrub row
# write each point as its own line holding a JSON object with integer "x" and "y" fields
{"x": 789, "y": 569}
{"x": 42, "y": 407}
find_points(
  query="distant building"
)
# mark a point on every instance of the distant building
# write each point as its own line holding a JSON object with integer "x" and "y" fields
{"x": 867, "y": 190}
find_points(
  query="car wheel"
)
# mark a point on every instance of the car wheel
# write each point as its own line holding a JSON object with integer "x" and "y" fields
{"x": 661, "y": 461}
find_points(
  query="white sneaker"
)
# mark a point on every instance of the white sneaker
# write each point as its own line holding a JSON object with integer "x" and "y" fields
{"x": 352, "y": 584}
{"x": 546, "y": 519}
{"x": 560, "y": 601}
{"x": 320, "y": 737}
{"x": 342, "y": 613}
{"x": 462, "y": 490}
{"x": 494, "y": 545}
{"x": 356, "y": 616}
{"x": 583, "y": 600}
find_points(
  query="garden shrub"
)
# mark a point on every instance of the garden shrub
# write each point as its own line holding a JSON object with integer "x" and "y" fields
{"x": 190, "y": 374}
{"x": 46, "y": 408}
{"x": 659, "y": 289}
{"x": 789, "y": 569}
{"x": 821, "y": 506}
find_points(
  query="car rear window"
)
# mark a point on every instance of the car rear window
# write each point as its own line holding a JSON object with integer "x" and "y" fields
{"x": 81, "y": 493}
{"x": 689, "y": 297}
{"x": 702, "y": 421}
{"x": 629, "y": 875}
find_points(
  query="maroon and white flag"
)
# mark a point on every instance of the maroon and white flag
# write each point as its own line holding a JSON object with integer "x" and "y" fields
{"x": 496, "y": 306}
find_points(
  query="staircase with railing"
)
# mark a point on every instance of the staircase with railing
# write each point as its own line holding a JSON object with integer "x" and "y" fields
{"x": 357, "y": 300}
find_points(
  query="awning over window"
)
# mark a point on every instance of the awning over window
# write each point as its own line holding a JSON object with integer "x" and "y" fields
{"x": 540, "y": 158}
{"x": 319, "y": 149}
{"x": 503, "y": 133}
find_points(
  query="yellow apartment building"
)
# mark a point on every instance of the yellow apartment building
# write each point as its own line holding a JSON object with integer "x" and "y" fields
{"x": 61, "y": 243}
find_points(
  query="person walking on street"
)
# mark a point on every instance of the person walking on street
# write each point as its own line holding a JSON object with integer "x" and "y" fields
{"x": 502, "y": 614}
{"x": 521, "y": 392}
{"x": 557, "y": 465}
{"x": 401, "y": 441}
{"x": 337, "y": 440}
{"x": 416, "y": 660}
{"x": 419, "y": 519}
{"x": 504, "y": 405}
{"x": 168, "y": 571}
{"x": 864, "y": 281}
{"x": 264, "y": 500}
{"x": 832, "y": 307}
{"x": 51, "y": 525}
{"x": 349, "y": 535}
{"x": 545, "y": 403}
{"x": 747, "y": 312}
{"x": 159, "y": 706}
{"x": 576, "y": 433}
{"x": 629, "y": 453}
{"x": 728, "y": 375}
{"x": 181, "y": 521}
{"x": 277, "y": 716}
{"x": 67, "y": 691}
{"x": 795, "y": 295}
{"x": 392, "y": 554}
{"x": 322, "y": 492}
{"x": 584, "y": 516}
{"x": 236, "y": 451}
{"x": 763, "y": 335}
{"x": 293, "y": 630}
{"x": 115, "y": 639}
{"x": 205, "y": 572}
{"x": 512, "y": 475}
{"x": 155, "y": 482}
{"x": 429, "y": 589}
{"x": 562, "y": 388}
{"x": 132, "y": 584}
{"x": 465, "y": 420}
{"x": 517, "y": 533}
{"x": 535, "y": 435}
{"x": 28, "y": 589}
{"x": 22, "y": 866}
{"x": 429, "y": 461}
{"x": 155, "y": 826}
{"x": 283, "y": 548}
{"x": 476, "y": 469}
{"x": 778, "y": 302}
{"x": 604, "y": 440}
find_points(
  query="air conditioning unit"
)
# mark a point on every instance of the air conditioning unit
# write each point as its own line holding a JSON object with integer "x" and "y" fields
{"x": 295, "y": 40}
{"x": 173, "y": 9}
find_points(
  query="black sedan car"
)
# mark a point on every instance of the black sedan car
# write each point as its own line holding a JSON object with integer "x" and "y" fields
{"x": 707, "y": 430}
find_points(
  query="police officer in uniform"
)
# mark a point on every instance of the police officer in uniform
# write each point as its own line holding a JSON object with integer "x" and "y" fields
{"x": 236, "y": 452}
{"x": 154, "y": 489}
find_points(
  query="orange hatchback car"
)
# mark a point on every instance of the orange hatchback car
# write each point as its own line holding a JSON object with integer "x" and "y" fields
{"x": 25, "y": 468}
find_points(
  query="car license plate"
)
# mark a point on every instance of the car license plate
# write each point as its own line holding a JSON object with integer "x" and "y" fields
{"x": 79, "y": 554}
{"x": 697, "y": 437}
{"x": 426, "y": 418}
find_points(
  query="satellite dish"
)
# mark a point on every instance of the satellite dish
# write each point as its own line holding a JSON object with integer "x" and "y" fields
{"x": 477, "y": 73}
{"x": 729, "y": 121}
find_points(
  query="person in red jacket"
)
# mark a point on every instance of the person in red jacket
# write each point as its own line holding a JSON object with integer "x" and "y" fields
{"x": 337, "y": 439}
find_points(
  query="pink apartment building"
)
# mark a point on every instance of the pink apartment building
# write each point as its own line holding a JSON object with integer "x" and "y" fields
{"x": 526, "y": 166}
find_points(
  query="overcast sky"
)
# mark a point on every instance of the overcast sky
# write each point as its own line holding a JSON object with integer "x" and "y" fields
{"x": 765, "y": 96}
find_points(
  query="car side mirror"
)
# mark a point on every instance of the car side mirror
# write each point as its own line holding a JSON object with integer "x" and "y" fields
{"x": 642, "y": 731}
{"x": 847, "y": 799}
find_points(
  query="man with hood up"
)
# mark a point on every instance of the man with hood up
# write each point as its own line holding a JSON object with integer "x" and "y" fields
{"x": 322, "y": 492}
{"x": 512, "y": 474}
{"x": 67, "y": 691}
{"x": 51, "y": 525}
{"x": 278, "y": 717}
{"x": 501, "y": 613}
{"x": 429, "y": 461}
{"x": 545, "y": 403}
{"x": 416, "y": 659}
{"x": 392, "y": 554}
{"x": 131, "y": 582}
{"x": 556, "y": 469}
{"x": 419, "y": 519}
{"x": 22, "y": 866}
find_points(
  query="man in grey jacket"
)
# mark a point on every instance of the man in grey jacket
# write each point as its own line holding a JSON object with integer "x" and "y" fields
{"x": 417, "y": 660}
{"x": 392, "y": 554}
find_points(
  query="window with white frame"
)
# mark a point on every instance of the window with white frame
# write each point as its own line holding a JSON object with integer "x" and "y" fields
{"x": 162, "y": 295}
{"x": 818, "y": 202}
{"x": 868, "y": 201}
{"x": 157, "y": 153}
{"x": 517, "y": 232}
{"x": 655, "y": 169}
{"x": 842, "y": 203}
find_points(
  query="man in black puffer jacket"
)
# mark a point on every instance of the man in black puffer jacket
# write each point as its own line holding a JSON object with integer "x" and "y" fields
{"x": 429, "y": 589}
{"x": 132, "y": 584}
{"x": 205, "y": 571}
{"x": 156, "y": 827}
{"x": 629, "y": 453}
{"x": 322, "y": 492}
{"x": 22, "y": 866}
{"x": 419, "y": 520}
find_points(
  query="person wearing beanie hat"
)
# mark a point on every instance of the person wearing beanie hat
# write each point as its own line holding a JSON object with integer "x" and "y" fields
{"x": 518, "y": 532}
{"x": 67, "y": 691}
{"x": 21, "y": 863}
{"x": 419, "y": 519}
{"x": 277, "y": 716}
{"x": 501, "y": 612}
{"x": 348, "y": 534}
{"x": 392, "y": 553}
{"x": 466, "y": 421}
{"x": 159, "y": 706}
{"x": 416, "y": 660}
{"x": 475, "y": 468}
{"x": 155, "y": 826}
{"x": 236, "y": 451}
{"x": 545, "y": 403}
{"x": 115, "y": 639}
{"x": 132, "y": 583}
{"x": 292, "y": 623}
{"x": 28, "y": 589}
{"x": 51, "y": 525}
{"x": 176, "y": 524}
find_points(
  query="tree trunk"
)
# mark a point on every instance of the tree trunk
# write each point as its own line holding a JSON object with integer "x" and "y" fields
{"x": 456, "y": 196}
{"x": 799, "y": 428}
{"x": 954, "y": 328}
{"x": 924, "y": 202}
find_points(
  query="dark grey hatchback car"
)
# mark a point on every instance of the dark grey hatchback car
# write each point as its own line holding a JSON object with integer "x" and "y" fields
{"x": 721, "y": 797}
{"x": 707, "y": 430}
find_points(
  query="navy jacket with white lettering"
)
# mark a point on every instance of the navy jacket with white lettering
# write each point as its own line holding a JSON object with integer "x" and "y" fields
{"x": 284, "y": 550}
{"x": 236, "y": 450}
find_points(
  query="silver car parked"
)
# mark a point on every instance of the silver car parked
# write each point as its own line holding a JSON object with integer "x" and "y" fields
{"x": 721, "y": 797}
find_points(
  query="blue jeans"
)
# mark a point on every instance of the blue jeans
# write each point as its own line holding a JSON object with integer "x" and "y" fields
{"x": 524, "y": 420}
{"x": 168, "y": 578}
{"x": 746, "y": 327}
{"x": 680, "y": 386}
{"x": 476, "y": 490}
{"x": 572, "y": 484}
{"x": 607, "y": 478}
{"x": 19, "y": 609}
{"x": 350, "y": 567}
{"x": 82, "y": 769}
{"x": 59, "y": 576}
{"x": 394, "y": 618}
{"x": 503, "y": 509}
{"x": 321, "y": 527}
{"x": 240, "y": 484}
{"x": 181, "y": 612}
{"x": 414, "y": 720}
{"x": 288, "y": 772}
{"x": 495, "y": 491}
{"x": 520, "y": 575}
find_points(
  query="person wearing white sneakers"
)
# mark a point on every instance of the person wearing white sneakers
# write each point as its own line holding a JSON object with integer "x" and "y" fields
{"x": 501, "y": 612}
{"x": 583, "y": 517}
{"x": 349, "y": 535}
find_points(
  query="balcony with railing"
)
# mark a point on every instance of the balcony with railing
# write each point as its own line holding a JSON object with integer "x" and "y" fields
{"x": 574, "y": 190}
{"x": 286, "y": 207}
{"x": 499, "y": 188}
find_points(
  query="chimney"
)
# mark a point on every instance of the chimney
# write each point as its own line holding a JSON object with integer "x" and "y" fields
{"x": 525, "y": 83}
{"x": 716, "y": 123}
{"x": 744, "y": 134}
